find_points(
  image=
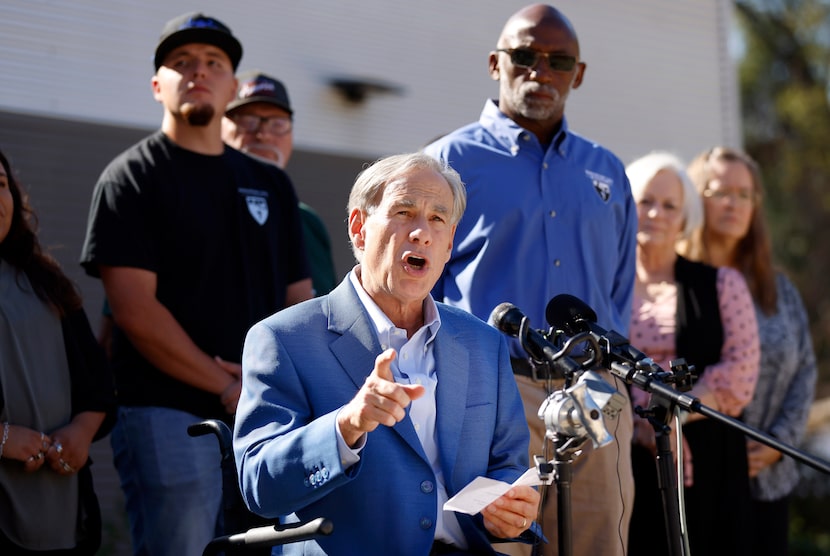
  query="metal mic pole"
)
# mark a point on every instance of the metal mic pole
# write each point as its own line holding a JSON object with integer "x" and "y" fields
{"x": 666, "y": 480}
{"x": 664, "y": 400}
{"x": 563, "y": 477}
{"x": 691, "y": 404}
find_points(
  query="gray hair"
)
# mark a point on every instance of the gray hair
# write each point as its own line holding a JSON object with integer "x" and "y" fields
{"x": 368, "y": 188}
{"x": 642, "y": 171}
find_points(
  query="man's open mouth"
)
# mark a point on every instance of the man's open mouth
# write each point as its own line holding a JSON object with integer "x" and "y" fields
{"x": 416, "y": 261}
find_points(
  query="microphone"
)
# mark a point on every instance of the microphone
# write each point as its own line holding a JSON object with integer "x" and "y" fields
{"x": 623, "y": 360}
{"x": 572, "y": 315}
{"x": 509, "y": 319}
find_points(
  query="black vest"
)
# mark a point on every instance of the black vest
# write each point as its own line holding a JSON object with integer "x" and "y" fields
{"x": 699, "y": 333}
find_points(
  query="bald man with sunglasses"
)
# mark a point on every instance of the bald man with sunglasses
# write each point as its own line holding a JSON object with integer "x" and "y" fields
{"x": 548, "y": 212}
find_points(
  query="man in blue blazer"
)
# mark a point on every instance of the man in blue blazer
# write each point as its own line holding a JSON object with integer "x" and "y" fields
{"x": 373, "y": 405}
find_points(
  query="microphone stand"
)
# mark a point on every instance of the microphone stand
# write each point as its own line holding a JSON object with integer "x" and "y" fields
{"x": 566, "y": 447}
{"x": 633, "y": 375}
{"x": 624, "y": 361}
{"x": 659, "y": 415}
{"x": 664, "y": 400}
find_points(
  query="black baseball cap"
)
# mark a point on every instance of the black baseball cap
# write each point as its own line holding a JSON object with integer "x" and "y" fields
{"x": 259, "y": 87}
{"x": 197, "y": 27}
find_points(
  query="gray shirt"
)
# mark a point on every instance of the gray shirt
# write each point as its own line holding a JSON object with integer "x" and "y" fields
{"x": 35, "y": 388}
{"x": 786, "y": 386}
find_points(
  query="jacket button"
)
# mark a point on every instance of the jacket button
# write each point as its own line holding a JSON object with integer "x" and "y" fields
{"x": 427, "y": 487}
{"x": 426, "y": 523}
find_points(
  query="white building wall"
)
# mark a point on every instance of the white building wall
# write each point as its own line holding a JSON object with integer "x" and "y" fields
{"x": 659, "y": 74}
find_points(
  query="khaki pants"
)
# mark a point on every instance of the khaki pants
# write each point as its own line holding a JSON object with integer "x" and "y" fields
{"x": 602, "y": 486}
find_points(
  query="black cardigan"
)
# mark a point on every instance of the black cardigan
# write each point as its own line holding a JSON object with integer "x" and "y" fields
{"x": 699, "y": 333}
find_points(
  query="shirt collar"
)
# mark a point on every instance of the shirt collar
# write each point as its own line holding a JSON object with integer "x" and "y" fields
{"x": 383, "y": 325}
{"x": 512, "y": 135}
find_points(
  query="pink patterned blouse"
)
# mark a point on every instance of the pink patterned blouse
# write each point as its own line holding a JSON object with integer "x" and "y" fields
{"x": 733, "y": 379}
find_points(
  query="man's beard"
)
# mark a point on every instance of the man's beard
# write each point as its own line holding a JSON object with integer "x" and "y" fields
{"x": 533, "y": 108}
{"x": 536, "y": 110}
{"x": 198, "y": 115}
{"x": 274, "y": 155}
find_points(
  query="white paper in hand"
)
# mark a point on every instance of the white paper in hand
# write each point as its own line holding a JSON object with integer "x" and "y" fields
{"x": 482, "y": 491}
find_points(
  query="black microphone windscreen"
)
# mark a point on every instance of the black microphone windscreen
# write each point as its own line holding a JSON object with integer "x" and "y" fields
{"x": 507, "y": 318}
{"x": 569, "y": 313}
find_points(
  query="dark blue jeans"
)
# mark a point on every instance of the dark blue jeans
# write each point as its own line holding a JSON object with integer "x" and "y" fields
{"x": 172, "y": 481}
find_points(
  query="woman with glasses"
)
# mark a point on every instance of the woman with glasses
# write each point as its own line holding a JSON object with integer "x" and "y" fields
{"x": 703, "y": 314}
{"x": 734, "y": 234}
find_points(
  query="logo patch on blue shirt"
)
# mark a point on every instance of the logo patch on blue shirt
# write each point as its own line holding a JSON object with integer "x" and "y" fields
{"x": 602, "y": 184}
{"x": 258, "y": 207}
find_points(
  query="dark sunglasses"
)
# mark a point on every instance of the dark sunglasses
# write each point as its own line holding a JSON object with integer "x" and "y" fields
{"x": 527, "y": 58}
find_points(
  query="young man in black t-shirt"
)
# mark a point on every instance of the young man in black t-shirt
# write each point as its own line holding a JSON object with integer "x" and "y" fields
{"x": 194, "y": 242}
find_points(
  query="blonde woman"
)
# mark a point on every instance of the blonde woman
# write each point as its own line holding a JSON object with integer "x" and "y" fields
{"x": 703, "y": 314}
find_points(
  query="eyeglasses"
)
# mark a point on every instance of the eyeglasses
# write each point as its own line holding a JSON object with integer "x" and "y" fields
{"x": 251, "y": 123}
{"x": 740, "y": 196}
{"x": 527, "y": 58}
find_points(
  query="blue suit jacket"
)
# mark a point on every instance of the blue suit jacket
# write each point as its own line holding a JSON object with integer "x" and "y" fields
{"x": 301, "y": 365}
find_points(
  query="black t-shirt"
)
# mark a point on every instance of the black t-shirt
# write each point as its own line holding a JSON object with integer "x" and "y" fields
{"x": 223, "y": 236}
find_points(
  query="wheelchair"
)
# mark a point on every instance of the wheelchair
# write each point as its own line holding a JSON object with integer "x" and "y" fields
{"x": 255, "y": 535}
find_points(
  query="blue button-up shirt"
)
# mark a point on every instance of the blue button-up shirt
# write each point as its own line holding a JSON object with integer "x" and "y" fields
{"x": 540, "y": 221}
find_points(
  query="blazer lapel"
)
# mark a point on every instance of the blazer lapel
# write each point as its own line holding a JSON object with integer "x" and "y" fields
{"x": 357, "y": 346}
{"x": 452, "y": 364}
